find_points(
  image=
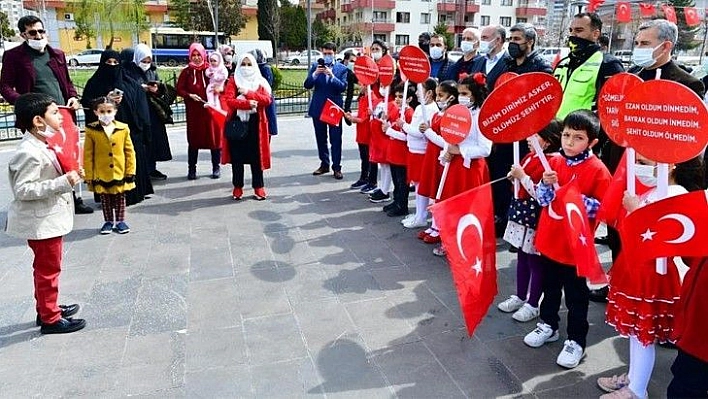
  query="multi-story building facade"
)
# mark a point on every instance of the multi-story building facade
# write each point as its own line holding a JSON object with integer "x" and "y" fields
{"x": 399, "y": 22}
{"x": 14, "y": 11}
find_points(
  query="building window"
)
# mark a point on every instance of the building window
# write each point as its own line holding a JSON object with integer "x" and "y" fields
{"x": 505, "y": 21}
{"x": 486, "y": 2}
{"x": 380, "y": 37}
{"x": 507, "y": 3}
{"x": 402, "y": 40}
{"x": 521, "y": 20}
{"x": 380, "y": 16}
{"x": 484, "y": 21}
{"x": 403, "y": 17}
{"x": 445, "y": 18}
{"x": 424, "y": 18}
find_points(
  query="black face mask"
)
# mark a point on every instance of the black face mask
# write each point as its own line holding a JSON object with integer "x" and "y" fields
{"x": 578, "y": 45}
{"x": 515, "y": 50}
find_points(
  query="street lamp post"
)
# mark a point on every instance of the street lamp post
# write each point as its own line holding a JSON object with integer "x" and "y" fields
{"x": 309, "y": 33}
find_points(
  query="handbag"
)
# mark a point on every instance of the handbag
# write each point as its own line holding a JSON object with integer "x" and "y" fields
{"x": 235, "y": 129}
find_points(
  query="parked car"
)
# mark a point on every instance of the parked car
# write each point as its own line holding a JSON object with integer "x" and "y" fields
{"x": 86, "y": 57}
{"x": 550, "y": 53}
{"x": 356, "y": 50}
{"x": 301, "y": 57}
{"x": 454, "y": 55}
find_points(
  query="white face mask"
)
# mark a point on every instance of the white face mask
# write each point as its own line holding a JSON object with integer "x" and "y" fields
{"x": 106, "y": 118}
{"x": 47, "y": 133}
{"x": 644, "y": 57}
{"x": 145, "y": 66}
{"x": 382, "y": 91}
{"x": 467, "y": 46}
{"x": 443, "y": 104}
{"x": 436, "y": 53}
{"x": 464, "y": 100}
{"x": 645, "y": 174}
{"x": 485, "y": 47}
{"x": 376, "y": 56}
{"x": 38, "y": 45}
{"x": 228, "y": 58}
{"x": 247, "y": 71}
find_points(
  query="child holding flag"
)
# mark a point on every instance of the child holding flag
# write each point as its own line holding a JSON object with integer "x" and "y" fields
{"x": 576, "y": 164}
{"x": 521, "y": 227}
{"x": 642, "y": 303}
{"x": 369, "y": 170}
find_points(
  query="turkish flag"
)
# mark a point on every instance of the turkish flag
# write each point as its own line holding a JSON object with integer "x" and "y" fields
{"x": 691, "y": 15}
{"x": 675, "y": 226}
{"x": 331, "y": 113}
{"x": 647, "y": 10}
{"x": 611, "y": 209}
{"x": 669, "y": 13}
{"x": 218, "y": 116}
{"x": 594, "y": 5}
{"x": 579, "y": 247}
{"x": 466, "y": 223}
{"x": 624, "y": 12}
{"x": 65, "y": 143}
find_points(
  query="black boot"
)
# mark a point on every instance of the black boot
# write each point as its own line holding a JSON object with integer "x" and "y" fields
{"x": 79, "y": 207}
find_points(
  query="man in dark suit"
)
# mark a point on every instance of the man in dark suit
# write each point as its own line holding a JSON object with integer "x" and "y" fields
{"x": 494, "y": 59}
{"x": 328, "y": 79}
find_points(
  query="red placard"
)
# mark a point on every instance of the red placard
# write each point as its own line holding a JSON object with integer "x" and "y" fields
{"x": 610, "y": 101}
{"x": 505, "y": 77}
{"x": 366, "y": 70}
{"x": 520, "y": 107}
{"x": 414, "y": 63}
{"x": 455, "y": 124}
{"x": 665, "y": 121}
{"x": 386, "y": 70}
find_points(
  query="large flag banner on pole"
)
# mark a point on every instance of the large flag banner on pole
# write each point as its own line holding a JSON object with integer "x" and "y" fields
{"x": 466, "y": 223}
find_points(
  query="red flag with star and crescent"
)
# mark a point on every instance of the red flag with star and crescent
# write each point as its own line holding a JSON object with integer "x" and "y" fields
{"x": 675, "y": 226}
{"x": 624, "y": 12}
{"x": 65, "y": 143}
{"x": 565, "y": 216}
{"x": 647, "y": 10}
{"x": 691, "y": 15}
{"x": 594, "y": 5}
{"x": 669, "y": 13}
{"x": 466, "y": 224}
{"x": 331, "y": 113}
{"x": 611, "y": 209}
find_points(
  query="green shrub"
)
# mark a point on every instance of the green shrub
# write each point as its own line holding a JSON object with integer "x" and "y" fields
{"x": 277, "y": 77}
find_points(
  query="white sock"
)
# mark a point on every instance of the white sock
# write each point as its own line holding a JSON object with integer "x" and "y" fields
{"x": 641, "y": 364}
{"x": 385, "y": 178}
{"x": 434, "y": 226}
{"x": 421, "y": 206}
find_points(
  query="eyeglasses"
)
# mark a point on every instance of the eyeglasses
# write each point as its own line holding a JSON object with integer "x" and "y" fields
{"x": 34, "y": 32}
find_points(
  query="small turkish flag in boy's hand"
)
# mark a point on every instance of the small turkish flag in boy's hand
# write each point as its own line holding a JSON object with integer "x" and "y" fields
{"x": 331, "y": 113}
{"x": 65, "y": 143}
{"x": 676, "y": 226}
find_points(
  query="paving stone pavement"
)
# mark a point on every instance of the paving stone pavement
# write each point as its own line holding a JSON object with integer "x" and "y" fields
{"x": 312, "y": 293}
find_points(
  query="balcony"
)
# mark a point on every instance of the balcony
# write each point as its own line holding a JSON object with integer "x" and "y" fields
{"x": 452, "y": 6}
{"x": 376, "y": 4}
{"x": 379, "y": 27}
{"x": 530, "y": 10}
{"x": 447, "y": 6}
{"x": 347, "y": 8}
{"x": 330, "y": 14}
{"x": 472, "y": 8}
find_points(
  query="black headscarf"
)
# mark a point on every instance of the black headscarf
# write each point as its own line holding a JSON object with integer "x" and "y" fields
{"x": 106, "y": 78}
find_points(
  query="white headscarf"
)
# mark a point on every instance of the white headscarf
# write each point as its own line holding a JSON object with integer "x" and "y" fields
{"x": 142, "y": 50}
{"x": 251, "y": 82}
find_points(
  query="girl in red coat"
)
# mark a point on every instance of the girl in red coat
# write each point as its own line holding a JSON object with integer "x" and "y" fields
{"x": 247, "y": 95}
{"x": 367, "y": 177}
{"x": 446, "y": 96}
{"x": 378, "y": 147}
{"x": 202, "y": 132}
{"x": 397, "y": 151}
{"x": 641, "y": 302}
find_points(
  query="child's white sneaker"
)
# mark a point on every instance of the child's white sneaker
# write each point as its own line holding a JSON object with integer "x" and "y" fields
{"x": 413, "y": 223}
{"x": 526, "y": 313}
{"x": 570, "y": 355}
{"x": 512, "y": 304}
{"x": 542, "y": 334}
{"x": 410, "y": 216}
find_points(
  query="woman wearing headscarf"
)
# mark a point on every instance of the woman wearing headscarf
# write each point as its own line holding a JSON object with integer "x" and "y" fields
{"x": 267, "y": 73}
{"x": 142, "y": 70}
{"x": 247, "y": 95}
{"x": 227, "y": 52}
{"x": 202, "y": 132}
{"x": 132, "y": 110}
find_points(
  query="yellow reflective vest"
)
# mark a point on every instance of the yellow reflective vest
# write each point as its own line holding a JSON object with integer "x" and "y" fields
{"x": 579, "y": 86}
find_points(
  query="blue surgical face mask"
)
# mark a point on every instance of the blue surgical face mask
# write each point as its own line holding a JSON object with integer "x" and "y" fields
{"x": 328, "y": 59}
{"x": 644, "y": 57}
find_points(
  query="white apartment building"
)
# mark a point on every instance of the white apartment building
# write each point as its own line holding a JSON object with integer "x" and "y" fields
{"x": 14, "y": 11}
{"x": 399, "y": 22}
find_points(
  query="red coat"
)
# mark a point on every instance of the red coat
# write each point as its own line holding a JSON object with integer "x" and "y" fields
{"x": 397, "y": 151}
{"x": 432, "y": 169}
{"x": 231, "y": 103}
{"x": 689, "y": 329}
{"x": 378, "y": 145}
{"x": 202, "y": 132}
{"x": 363, "y": 128}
